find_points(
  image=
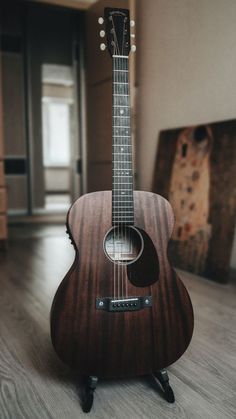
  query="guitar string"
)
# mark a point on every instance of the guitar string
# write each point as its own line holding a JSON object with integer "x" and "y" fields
{"x": 118, "y": 194}
{"x": 124, "y": 148}
{"x": 128, "y": 158}
{"x": 124, "y": 159}
{"x": 117, "y": 51}
{"x": 119, "y": 161}
{"x": 113, "y": 192}
{"x": 123, "y": 141}
{"x": 124, "y": 177}
{"x": 120, "y": 60}
{"x": 114, "y": 188}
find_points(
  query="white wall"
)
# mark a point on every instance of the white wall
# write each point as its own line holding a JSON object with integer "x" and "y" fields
{"x": 186, "y": 66}
{"x": 186, "y": 71}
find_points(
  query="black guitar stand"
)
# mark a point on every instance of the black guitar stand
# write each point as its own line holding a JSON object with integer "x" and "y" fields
{"x": 163, "y": 379}
{"x": 87, "y": 398}
{"x": 160, "y": 377}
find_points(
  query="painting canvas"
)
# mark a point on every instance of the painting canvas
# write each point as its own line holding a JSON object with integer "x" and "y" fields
{"x": 196, "y": 171}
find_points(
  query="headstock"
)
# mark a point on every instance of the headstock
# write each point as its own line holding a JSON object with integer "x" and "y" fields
{"x": 117, "y": 31}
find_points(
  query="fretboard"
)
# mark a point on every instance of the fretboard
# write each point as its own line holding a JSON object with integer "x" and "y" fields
{"x": 122, "y": 177}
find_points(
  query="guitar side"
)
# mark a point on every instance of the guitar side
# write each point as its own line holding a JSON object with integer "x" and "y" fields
{"x": 108, "y": 344}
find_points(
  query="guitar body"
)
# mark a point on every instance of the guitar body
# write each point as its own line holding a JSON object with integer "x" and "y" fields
{"x": 125, "y": 343}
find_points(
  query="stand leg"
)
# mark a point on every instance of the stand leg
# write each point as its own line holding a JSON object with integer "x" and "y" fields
{"x": 87, "y": 401}
{"x": 162, "y": 377}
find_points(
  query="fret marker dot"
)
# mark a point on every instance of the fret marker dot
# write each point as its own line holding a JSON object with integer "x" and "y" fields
{"x": 122, "y": 149}
{"x": 121, "y": 111}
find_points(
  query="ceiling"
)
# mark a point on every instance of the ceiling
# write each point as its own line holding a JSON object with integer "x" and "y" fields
{"x": 75, "y": 4}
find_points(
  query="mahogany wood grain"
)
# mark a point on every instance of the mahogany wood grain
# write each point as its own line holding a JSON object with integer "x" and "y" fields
{"x": 107, "y": 344}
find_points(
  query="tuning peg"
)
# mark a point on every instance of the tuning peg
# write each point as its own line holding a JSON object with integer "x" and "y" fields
{"x": 132, "y": 35}
{"x": 132, "y": 23}
{"x": 100, "y": 20}
{"x": 102, "y": 34}
{"x": 133, "y": 48}
{"x": 103, "y": 47}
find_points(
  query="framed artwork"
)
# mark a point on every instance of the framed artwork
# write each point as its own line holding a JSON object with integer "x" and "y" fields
{"x": 196, "y": 171}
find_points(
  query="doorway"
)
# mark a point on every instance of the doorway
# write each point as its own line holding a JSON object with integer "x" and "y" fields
{"x": 58, "y": 115}
{"x": 54, "y": 95}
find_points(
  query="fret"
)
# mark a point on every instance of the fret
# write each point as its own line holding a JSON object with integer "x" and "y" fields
{"x": 123, "y": 215}
{"x": 123, "y": 207}
{"x": 119, "y": 118}
{"x": 123, "y": 221}
{"x": 120, "y": 100}
{"x": 116, "y": 94}
{"x": 119, "y": 134}
{"x": 119, "y": 194}
{"x": 119, "y": 211}
{"x": 126, "y": 71}
{"x": 123, "y": 191}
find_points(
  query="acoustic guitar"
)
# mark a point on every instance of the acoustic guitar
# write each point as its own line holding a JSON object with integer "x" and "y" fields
{"x": 121, "y": 310}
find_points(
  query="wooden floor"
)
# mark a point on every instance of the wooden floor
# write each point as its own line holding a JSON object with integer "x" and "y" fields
{"x": 34, "y": 383}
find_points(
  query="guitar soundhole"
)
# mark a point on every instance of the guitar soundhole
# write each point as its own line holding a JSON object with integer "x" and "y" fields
{"x": 123, "y": 244}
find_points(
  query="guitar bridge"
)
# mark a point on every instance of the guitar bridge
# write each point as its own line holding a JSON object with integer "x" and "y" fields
{"x": 123, "y": 304}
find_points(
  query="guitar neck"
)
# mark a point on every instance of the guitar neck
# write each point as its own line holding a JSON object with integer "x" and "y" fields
{"x": 122, "y": 177}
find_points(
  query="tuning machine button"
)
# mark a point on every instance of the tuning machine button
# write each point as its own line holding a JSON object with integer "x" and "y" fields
{"x": 133, "y": 48}
{"x": 100, "y": 20}
{"x": 132, "y": 23}
{"x": 102, "y": 47}
{"x": 102, "y": 33}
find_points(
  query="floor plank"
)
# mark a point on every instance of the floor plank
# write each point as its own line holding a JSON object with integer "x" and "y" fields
{"x": 35, "y": 384}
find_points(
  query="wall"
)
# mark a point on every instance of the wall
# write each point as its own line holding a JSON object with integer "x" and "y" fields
{"x": 15, "y": 150}
{"x": 186, "y": 60}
